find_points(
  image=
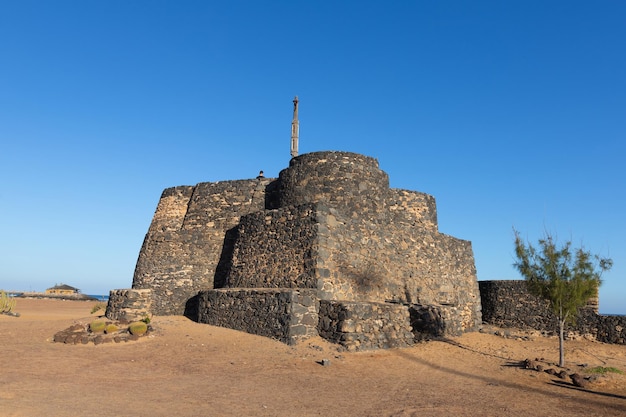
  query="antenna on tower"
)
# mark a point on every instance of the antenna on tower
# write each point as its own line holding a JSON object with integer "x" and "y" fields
{"x": 295, "y": 129}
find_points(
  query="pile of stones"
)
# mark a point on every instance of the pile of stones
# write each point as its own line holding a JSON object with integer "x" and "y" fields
{"x": 103, "y": 331}
{"x": 578, "y": 380}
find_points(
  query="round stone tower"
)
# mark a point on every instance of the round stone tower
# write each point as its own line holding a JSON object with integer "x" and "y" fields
{"x": 347, "y": 181}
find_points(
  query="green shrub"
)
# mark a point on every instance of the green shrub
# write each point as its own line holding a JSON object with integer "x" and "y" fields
{"x": 604, "y": 370}
{"x": 97, "y": 326}
{"x": 7, "y": 304}
{"x": 138, "y": 328}
{"x": 111, "y": 328}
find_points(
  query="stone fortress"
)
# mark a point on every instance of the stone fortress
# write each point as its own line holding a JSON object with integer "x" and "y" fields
{"x": 327, "y": 248}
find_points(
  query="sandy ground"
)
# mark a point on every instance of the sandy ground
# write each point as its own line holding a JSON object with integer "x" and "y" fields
{"x": 190, "y": 369}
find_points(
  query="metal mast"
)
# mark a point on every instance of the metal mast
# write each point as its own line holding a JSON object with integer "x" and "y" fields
{"x": 295, "y": 129}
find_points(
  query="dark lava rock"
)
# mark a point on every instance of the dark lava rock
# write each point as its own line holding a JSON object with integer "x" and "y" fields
{"x": 579, "y": 381}
{"x": 530, "y": 364}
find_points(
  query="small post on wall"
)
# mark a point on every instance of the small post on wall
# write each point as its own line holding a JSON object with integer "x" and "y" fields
{"x": 295, "y": 129}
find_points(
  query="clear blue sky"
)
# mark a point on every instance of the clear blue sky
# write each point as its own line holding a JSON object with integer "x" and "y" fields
{"x": 510, "y": 113}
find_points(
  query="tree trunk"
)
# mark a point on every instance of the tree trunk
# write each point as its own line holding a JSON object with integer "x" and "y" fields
{"x": 561, "y": 343}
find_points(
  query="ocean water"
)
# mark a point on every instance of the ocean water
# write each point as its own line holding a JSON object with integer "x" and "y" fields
{"x": 99, "y": 297}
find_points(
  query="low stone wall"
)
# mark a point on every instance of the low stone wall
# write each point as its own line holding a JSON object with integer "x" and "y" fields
{"x": 435, "y": 321}
{"x": 129, "y": 305}
{"x": 364, "y": 326}
{"x": 286, "y": 315}
{"x": 611, "y": 329}
{"x": 509, "y": 304}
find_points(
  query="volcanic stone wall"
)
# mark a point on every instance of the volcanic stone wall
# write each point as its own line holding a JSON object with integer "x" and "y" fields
{"x": 275, "y": 249}
{"x": 283, "y": 314}
{"x": 189, "y": 235}
{"x": 129, "y": 304}
{"x": 411, "y": 209}
{"x": 509, "y": 304}
{"x": 364, "y": 326}
{"x": 341, "y": 179}
{"x": 390, "y": 262}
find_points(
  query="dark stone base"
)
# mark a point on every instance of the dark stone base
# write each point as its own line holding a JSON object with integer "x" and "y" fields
{"x": 435, "y": 321}
{"x": 286, "y": 315}
{"x": 365, "y": 325}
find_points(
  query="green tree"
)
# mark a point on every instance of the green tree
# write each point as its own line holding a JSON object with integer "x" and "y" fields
{"x": 565, "y": 277}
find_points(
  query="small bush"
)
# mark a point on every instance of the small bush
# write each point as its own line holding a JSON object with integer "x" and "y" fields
{"x": 97, "y": 326}
{"x": 138, "y": 328}
{"x": 111, "y": 328}
{"x": 7, "y": 304}
{"x": 604, "y": 370}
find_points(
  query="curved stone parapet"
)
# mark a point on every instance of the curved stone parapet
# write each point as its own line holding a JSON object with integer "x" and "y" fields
{"x": 345, "y": 180}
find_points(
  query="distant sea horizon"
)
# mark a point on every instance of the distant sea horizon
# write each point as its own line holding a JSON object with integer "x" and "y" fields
{"x": 99, "y": 297}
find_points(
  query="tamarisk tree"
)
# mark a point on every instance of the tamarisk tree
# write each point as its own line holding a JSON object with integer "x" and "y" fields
{"x": 563, "y": 276}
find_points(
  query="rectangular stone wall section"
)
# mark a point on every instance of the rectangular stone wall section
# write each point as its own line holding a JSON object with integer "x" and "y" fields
{"x": 508, "y": 303}
{"x": 275, "y": 249}
{"x": 359, "y": 260}
{"x": 364, "y": 326}
{"x": 129, "y": 304}
{"x": 286, "y": 315}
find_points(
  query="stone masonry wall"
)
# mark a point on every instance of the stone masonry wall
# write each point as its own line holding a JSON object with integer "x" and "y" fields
{"x": 339, "y": 179}
{"x": 275, "y": 249}
{"x": 314, "y": 246}
{"x": 286, "y": 315}
{"x": 435, "y": 321}
{"x": 376, "y": 243}
{"x": 187, "y": 237}
{"x": 412, "y": 209}
{"x": 363, "y": 261}
{"x": 509, "y": 304}
{"x": 129, "y": 305}
{"x": 363, "y": 326}
{"x": 351, "y": 249}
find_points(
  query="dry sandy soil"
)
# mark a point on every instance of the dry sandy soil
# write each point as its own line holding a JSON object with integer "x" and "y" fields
{"x": 190, "y": 369}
